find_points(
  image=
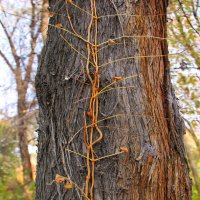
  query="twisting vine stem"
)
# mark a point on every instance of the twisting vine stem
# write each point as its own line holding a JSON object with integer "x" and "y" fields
{"x": 93, "y": 110}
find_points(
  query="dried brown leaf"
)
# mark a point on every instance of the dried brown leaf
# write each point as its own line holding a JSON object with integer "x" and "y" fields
{"x": 110, "y": 41}
{"x": 117, "y": 78}
{"x": 68, "y": 1}
{"x": 59, "y": 178}
{"x": 50, "y": 14}
{"x": 124, "y": 149}
{"x": 58, "y": 25}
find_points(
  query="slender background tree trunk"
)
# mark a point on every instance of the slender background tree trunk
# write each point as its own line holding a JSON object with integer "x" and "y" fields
{"x": 22, "y": 133}
{"x": 44, "y": 23}
{"x": 139, "y": 113}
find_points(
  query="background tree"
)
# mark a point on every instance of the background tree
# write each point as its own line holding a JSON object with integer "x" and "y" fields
{"x": 105, "y": 71}
{"x": 20, "y": 55}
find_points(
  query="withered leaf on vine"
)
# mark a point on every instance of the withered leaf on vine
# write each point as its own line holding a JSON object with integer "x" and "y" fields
{"x": 58, "y": 25}
{"x": 124, "y": 149}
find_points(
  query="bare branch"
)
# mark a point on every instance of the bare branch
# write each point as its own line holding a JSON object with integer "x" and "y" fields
{"x": 194, "y": 11}
{"x": 18, "y": 73}
{"x": 12, "y": 46}
{"x": 32, "y": 25}
{"x": 7, "y": 61}
{"x": 44, "y": 20}
{"x": 33, "y": 45}
{"x": 15, "y": 26}
{"x": 188, "y": 20}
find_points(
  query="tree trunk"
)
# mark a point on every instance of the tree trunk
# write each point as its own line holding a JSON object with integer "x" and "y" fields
{"x": 44, "y": 23}
{"x": 22, "y": 133}
{"x": 138, "y": 115}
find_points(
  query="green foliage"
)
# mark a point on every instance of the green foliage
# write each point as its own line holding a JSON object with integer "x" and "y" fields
{"x": 8, "y": 144}
{"x": 14, "y": 190}
{"x": 195, "y": 195}
{"x": 195, "y": 154}
{"x": 9, "y": 162}
{"x": 10, "y": 191}
{"x": 11, "y": 186}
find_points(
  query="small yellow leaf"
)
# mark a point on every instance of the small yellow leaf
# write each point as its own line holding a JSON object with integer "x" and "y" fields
{"x": 51, "y": 14}
{"x": 124, "y": 149}
{"x": 58, "y": 25}
{"x": 68, "y": 186}
{"x": 110, "y": 41}
{"x": 68, "y": 1}
{"x": 117, "y": 78}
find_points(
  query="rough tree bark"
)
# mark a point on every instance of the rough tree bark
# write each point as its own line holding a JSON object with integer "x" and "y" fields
{"x": 143, "y": 117}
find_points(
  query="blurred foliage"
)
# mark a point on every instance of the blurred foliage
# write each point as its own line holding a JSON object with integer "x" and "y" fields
{"x": 192, "y": 150}
{"x": 184, "y": 47}
{"x": 11, "y": 185}
{"x": 184, "y": 43}
{"x": 8, "y": 145}
{"x": 184, "y": 31}
{"x": 195, "y": 194}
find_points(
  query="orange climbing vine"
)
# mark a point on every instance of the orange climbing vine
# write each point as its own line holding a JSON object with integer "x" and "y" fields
{"x": 93, "y": 109}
